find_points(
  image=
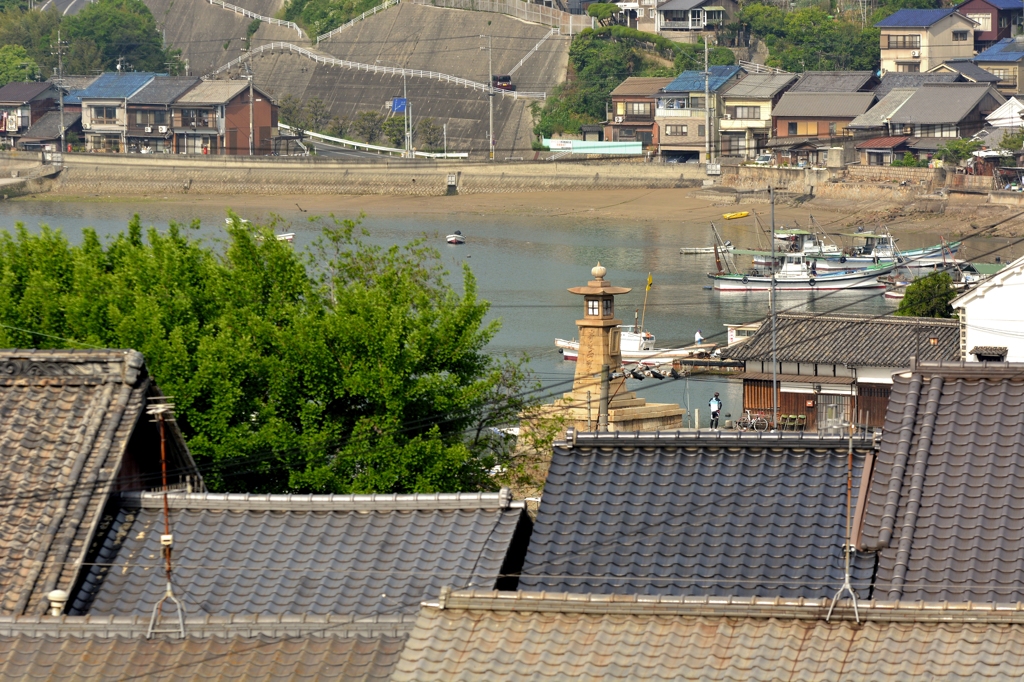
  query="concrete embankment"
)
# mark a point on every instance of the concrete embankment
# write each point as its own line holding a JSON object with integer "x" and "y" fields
{"x": 92, "y": 174}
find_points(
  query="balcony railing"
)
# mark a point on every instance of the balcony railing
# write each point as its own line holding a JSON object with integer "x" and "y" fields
{"x": 690, "y": 25}
{"x": 680, "y": 113}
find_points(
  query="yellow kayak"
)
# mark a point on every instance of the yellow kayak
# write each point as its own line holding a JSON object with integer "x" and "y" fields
{"x": 733, "y": 216}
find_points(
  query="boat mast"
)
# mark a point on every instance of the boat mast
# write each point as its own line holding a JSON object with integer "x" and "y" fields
{"x": 718, "y": 261}
{"x": 650, "y": 282}
{"x": 775, "y": 348}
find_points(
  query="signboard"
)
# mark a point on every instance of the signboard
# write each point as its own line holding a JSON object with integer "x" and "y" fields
{"x": 714, "y": 169}
{"x": 559, "y": 144}
{"x": 398, "y": 105}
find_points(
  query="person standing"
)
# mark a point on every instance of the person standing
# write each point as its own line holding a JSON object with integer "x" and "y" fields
{"x": 698, "y": 338}
{"x": 716, "y": 408}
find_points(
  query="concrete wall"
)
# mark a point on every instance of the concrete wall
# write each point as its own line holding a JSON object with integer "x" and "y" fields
{"x": 137, "y": 175}
{"x": 932, "y": 177}
{"x": 800, "y": 180}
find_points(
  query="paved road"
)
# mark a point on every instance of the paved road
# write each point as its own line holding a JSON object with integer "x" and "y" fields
{"x": 67, "y": 7}
{"x": 330, "y": 150}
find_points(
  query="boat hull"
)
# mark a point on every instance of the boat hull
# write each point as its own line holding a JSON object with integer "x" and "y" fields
{"x": 455, "y": 239}
{"x": 650, "y": 357}
{"x": 863, "y": 279}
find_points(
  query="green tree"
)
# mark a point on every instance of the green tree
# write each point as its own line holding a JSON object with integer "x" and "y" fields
{"x": 318, "y": 114}
{"x": 119, "y": 29}
{"x": 430, "y": 133}
{"x": 292, "y": 112}
{"x": 16, "y": 65}
{"x": 320, "y": 16}
{"x": 929, "y": 297}
{"x": 33, "y": 30}
{"x": 351, "y": 368}
{"x": 369, "y": 125}
{"x": 394, "y": 130}
{"x": 909, "y": 161}
{"x": 604, "y": 12}
{"x": 1012, "y": 142}
{"x": 957, "y": 150}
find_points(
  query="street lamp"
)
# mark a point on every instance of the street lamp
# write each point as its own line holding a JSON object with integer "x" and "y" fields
{"x": 490, "y": 97}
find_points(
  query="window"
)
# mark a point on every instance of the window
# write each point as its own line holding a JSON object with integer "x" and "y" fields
{"x": 696, "y": 103}
{"x": 1004, "y": 21}
{"x": 627, "y": 132}
{"x": 653, "y": 14}
{"x": 792, "y": 128}
{"x": 832, "y": 128}
{"x": 593, "y": 307}
{"x": 984, "y": 20}
{"x": 1006, "y": 76}
{"x": 938, "y": 130}
{"x": 700, "y": 131}
{"x": 959, "y": 36}
{"x": 620, "y": 108}
{"x": 150, "y": 118}
{"x": 675, "y": 131}
{"x": 803, "y": 128}
{"x": 197, "y": 118}
{"x": 752, "y": 113}
{"x": 104, "y": 115}
{"x": 607, "y": 307}
{"x": 715, "y": 16}
{"x": 904, "y": 42}
{"x": 638, "y": 108}
{"x": 908, "y": 67}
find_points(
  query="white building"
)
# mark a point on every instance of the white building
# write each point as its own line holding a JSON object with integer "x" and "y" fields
{"x": 992, "y": 318}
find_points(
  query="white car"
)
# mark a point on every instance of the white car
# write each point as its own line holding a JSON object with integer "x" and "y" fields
{"x": 763, "y": 160}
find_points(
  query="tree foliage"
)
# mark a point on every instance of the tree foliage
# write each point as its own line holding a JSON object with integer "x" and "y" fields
{"x": 810, "y": 39}
{"x": 431, "y": 134}
{"x": 369, "y": 125}
{"x": 16, "y": 65}
{"x": 117, "y": 29}
{"x": 929, "y": 297}
{"x": 352, "y": 368}
{"x": 957, "y": 150}
{"x": 320, "y": 16}
{"x": 32, "y": 30}
{"x": 604, "y": 12}
{"x": 394, "y": 130}
{"x": 909, "y": 161}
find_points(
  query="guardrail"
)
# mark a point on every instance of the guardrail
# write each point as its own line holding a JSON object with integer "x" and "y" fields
{"x": 252, "y": 15}
{"x": 367, "y": 13}
{"x": 753, "y": 67}
{"x": 553, "y": 31}
{"x": 376, "y": 68}
{"x": 569, "y": 24}
{"x": 391, "y": 151}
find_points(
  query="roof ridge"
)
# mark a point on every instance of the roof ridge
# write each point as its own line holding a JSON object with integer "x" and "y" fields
{"x": 297, "y": 502}
{"x": 718, "y": 438}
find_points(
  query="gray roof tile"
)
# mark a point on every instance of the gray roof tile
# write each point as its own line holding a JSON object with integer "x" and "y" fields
{"x": 270, "y": 556}
{"x": 969, "y": 70}
{"x": 943, "y": 504}
{"x": 99, "y": 659}
{"x": 894, "y": 79}
{"x": 878, "y": 115}
{"x": 860, "y": 340}
{"x": 935, "y": 103}
{"x": 813, "y": 104}
{"x": 65, "y": 421}
{"x": 760, "y": 86}
{"x": 48, "y": 127}
{"x": 835, "y": 81}
{"x": 700, "y": 515}
{"x": 163, "y": 90}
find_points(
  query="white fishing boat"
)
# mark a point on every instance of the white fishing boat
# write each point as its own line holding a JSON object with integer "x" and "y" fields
{"x": 797, "y": 274}
{"x": 880, "y": 248}
{"x": 456, "y": 238}
{"x": 638, "y": 347}
{"x": 794, "y": 241}
{"x": 696, "y": 250}
{"x": 286, "y": 237}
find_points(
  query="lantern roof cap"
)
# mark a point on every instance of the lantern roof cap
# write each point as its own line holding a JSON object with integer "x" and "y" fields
{"x": 599, "y": 285}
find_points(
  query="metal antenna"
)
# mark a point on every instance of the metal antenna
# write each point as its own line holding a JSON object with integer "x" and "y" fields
{"x": 159, "y": 408}
{"x": 847, "y": 587}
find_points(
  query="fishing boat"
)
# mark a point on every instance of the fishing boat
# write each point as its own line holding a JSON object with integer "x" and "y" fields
{"x": 286, "y": 237}
{"x": 880, "y": 248}
{"x": 456, "y": 238}
{"x": 794, "y": 240}
{"x": 797, "y": 273}
{"x": 695, "y": 250}
{"x": 637, "y": 346}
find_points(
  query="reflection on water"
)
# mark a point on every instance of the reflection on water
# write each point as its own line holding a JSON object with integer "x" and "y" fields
{"x": 524, "y": 266}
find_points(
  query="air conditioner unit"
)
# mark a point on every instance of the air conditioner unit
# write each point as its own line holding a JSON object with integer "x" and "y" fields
{"x": 149, "y": 129}
{"x": 86, "y": 125}
{"x": 727, "y": 117}
{"x": 162, "y": 129}
{"x": 618, "y": 119}
{"x": 915, "y": 53}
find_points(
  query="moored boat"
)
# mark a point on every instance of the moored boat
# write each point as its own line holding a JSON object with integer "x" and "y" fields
{"x": 796, "y": 275}
{"x": 694, "y": 250}
{"x": 637, "y": 347}
{"x": 456, "y": 238}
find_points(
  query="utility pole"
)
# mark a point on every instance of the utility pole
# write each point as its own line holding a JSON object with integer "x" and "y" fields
{"x": 60, "y": 89}
{"x": 490, "y": 98}
{"x": 406, "y": 118}
{"x": 707, "y": 105}
{"x": 775, "y": 347}
{"x": 248, "y": 69}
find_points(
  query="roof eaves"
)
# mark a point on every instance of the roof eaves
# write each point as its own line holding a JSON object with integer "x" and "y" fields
{"x": 291, "y": 502}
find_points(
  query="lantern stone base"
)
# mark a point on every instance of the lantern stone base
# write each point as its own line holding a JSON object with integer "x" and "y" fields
{"x": 634, "y": 414}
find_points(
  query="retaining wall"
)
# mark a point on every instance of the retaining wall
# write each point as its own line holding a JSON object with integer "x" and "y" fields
{"x": 799, "y": 180}
{"x": 931, "y": 177}
{"x": 980, "y": 183}
{"x": 86, "y": 174}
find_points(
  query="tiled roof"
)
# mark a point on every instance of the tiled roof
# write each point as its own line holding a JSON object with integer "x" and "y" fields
{"x": 835, "y": 81}
{"x": 569, "y": 637}
{"x": 66, "y": 417}
{"x": 1004, "y": 4}
{"x": 693, "y": 81}
{"x": 356, "y": 555}
{"x": 681, "y": 5}
{"x": 860, "y": 340}
{"x": 116, "y": 85}
{"x": 894, "y": 79}
{"x": 813, "y": 105}
{"x": 878, "y": 115}
{"x": 914, "y": 18}
{"x": 213, "y": 92}
{"x": 988, "y": 350}
{"x": 883, "y": 142}
{"x": 1006, "y": 50}
{"x": 19, "y": 93}
{"x": 100, "y": 659}
{"x": 694, "y": 515}
{"x": 163, "y": 90}
{"x": 943, "y": 504}
{"x": 760, "y": 85}
{"x": 968, "y": 70}
{"x": 635, "y": 85}
{"x": 935, "y": 103}
{"x": 48, "y": 127}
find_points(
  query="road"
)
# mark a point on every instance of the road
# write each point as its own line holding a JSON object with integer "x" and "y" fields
{"x": 332, "y": 151}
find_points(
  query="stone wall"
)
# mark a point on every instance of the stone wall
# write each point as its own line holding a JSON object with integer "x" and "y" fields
{"x": 930, "y": 177}
{"x": 798, "y": 180}
{"x": 86, "y": 174}
{"x": 979, "y": 183}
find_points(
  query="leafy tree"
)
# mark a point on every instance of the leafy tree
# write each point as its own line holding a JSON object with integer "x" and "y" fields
{"x": 352, "y": 368}
{"x": 339, "y": 126}
{"x": 1013, "y": 142}
{"x": 604, "y": 12}
{"x": 119, "y": 29}
{"x": 369, "y": 125}
{"x": 317, "y": 114}
{"x": 16, "y": 65}
{"x": 320, "y": 16}
{"x": 291, "y": 111}
{"x": 394, "y": 130}
{"x": 33, "y": 30}
{"x": 430, "y": 133}
{"x": 957, "y": 150}
{"x": 929, "y": 297}
{"x": 909, "y": 161}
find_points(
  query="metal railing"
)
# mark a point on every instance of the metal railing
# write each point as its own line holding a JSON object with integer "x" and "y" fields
{"x": 252, "y": 15}
{"x": 552, "y": 32}
{"x": 391, "y": 151}
{"x": 367, "y": 13}
{"x": 753, "y": 67}
{"x": 375, "y": 68}
{"x": 568, "y": 24}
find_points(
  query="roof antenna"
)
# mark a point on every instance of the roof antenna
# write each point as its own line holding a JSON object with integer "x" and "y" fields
{"x": 847, "y": 587}
{"x": 160, "y": 408}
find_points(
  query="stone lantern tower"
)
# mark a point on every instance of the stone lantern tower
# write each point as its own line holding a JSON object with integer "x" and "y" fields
{"x": 600, "y": 344}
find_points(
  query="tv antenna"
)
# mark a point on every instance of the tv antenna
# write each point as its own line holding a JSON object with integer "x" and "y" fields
{"x": 847, "y": 586}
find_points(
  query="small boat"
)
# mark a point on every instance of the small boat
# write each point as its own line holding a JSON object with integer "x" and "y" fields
{"x": 793, "y": 241}
{"x": 286, "y": 237}
{"x": 796, "y": 275}
{"x": 734, "y": 216}
{"x": 228, "y": 221}
{"x": 637, "y": 347}
{"x": 456, "y": 238}
{"x": 695, "y": 250}
{"x": 880, "y": 248}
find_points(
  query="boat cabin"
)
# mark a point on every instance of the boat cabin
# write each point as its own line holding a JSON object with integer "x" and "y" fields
{"x": 876, "y": 245}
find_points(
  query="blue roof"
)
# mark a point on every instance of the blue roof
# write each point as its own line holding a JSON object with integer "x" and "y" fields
{"x": 116, "y": 85}
{"x": 915, "y": 17}
{"x": 1005, "y": 4}
{"x": 692, "y": 81}
{"x": 1006, "y": 50}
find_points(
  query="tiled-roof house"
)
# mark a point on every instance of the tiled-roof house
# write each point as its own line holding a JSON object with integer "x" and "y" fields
{"x": 1003, "y": 60}
{"x": 73, "y": 434}
{"x": 806, "y": 124}
{"x": 213, "y": 118}
{"x": 836, "y": 81}
{"x": 21, "y": 105}
{"x": 995, "y": 19}
{"x": 990, "y": 326}
{"x": 945, "y": 110}
{"x": 915, "y": 40}
{"x": 746, "y": 123}
{"x": 149, "y": 113}
{"x": 967, "y": 70}
{"x": 681, "y": 113}
{"x": 834, "y": 367}
{"x": 633, "y": 106}
{"x": 104, "y": 109}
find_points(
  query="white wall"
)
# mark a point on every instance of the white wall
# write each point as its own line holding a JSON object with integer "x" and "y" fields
{"x": 994, "y": 316}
